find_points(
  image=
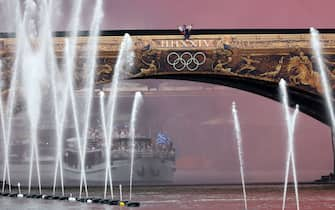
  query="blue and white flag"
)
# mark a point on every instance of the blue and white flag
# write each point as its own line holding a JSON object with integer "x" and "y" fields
{"x": 162, "y": 138}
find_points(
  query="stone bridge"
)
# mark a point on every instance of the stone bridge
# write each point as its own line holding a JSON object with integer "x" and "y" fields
{"x": 252, "y": 62}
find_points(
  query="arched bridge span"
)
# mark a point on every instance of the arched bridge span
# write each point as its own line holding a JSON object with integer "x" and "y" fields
{"x": 252, "y": 62}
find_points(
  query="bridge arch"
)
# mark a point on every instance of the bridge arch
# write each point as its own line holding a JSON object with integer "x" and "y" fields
{"x": 250, "y": 60}
{"x": 253, "y": 62}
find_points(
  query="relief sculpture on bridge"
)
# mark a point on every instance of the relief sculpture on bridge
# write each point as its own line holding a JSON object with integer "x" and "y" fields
{"x": 151, "y": 69}
{"x": 104, "y": 70}
{"x": 221, "y": 60}
{"x": 247, "y": 65}
{"x": 331, "y": 70}
{"x": 247, "y": 57}
{"x": 300, "y": 69}
{"x": 103, "y": 73}
{"x": 277, "y": 69}
{"x": 147, "y": 61}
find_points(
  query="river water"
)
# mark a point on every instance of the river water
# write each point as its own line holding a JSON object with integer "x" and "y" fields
{"x": 314, "y": 197}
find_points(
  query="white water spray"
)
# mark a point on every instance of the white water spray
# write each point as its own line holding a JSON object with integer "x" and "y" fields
{"x": 108, "y": 176}
{"x": 59, "y": 98}
{"x": 12, "y": 92}
{"x": 124, "y": 62}
{"x": 33, "y": 74}
{"x": 138, "y": 99}
{"x": 290, "y": 123}
{"x": 60, "y": 104}
{"x": 70, "y": 60}
{"x": 240, "y": 151}
{"x": 328, "y": 93}
{"x": 4, "y": 137}
{"x": 69, "y": 72}
{"x": 91, "y": 65}
{"x": 36, "y": 71}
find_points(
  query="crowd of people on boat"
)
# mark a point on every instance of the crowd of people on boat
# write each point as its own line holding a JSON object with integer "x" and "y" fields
{"x": 118, "y": 132}
{"x": 143, "y": 148}
{"x": 159, "y": 147}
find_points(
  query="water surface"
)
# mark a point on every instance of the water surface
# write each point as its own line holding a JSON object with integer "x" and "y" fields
{"x": 314, "y": 197}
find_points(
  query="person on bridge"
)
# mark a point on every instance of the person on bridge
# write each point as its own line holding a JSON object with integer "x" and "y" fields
{"x": 186, "y": 31}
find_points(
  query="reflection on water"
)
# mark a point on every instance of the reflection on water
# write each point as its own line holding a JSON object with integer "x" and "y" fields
{"x": 313, "y": 197}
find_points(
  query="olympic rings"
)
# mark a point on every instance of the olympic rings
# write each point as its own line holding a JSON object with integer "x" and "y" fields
{"x": 186, "y": 60}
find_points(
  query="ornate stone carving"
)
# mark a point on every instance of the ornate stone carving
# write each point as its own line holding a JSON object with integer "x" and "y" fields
{"x": 221, "y": 59}
{"x": 147, "y": 61}
{"x": 266, "y": 57}
{"x": 247, "y": 65}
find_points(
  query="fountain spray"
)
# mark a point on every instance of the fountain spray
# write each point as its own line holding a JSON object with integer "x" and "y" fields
{"x": 9, "y": 112}
{"x": 92, "y": 49}
{"x": 124, "y": 61}
{"x": 290, "y": 122}
{"x": 4, "y": 136}
{"x": 240, "y": 150}
{"x": 138, "y": 99}
{"x": 327, "y": 91}
{"x": 108, "y": 174}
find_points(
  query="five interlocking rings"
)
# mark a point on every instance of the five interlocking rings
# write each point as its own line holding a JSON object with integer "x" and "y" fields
{"x": 186, "y": 60}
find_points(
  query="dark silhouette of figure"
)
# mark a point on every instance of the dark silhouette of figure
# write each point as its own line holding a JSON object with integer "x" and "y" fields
{"x": 186, "y": 31}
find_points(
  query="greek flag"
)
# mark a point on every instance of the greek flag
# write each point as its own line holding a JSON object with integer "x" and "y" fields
{"x": 162, "y": 138}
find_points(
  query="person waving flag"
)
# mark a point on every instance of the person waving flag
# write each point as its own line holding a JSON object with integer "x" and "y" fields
{"x": 162, "y": 138}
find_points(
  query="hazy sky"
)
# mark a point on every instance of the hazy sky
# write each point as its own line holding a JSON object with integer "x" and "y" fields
{"x": 210, "y": 14}
{"x": 219, "y": 14}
